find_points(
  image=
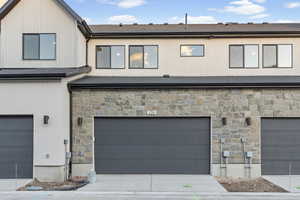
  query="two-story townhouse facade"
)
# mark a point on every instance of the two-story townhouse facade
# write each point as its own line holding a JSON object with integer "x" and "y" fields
{"x": 216, "y": 99}
{"x": 219, "y": 99}
{"x": 42, "y": 49}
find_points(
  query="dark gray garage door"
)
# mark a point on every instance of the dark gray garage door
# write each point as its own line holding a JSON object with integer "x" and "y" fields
{"x": 16, "y": 147}
{"x": 152, "y": 145}
{"x": 280, "y": 146}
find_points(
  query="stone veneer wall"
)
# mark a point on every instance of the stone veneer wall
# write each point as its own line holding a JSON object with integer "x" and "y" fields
{"x": 234, "y": 104}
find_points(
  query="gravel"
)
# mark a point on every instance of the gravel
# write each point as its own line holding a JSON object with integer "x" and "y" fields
{"x": 249, "y": 185}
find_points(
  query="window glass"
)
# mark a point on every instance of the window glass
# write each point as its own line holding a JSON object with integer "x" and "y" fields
{"x": 285, "y": 56}
{"x": 31, "y": 46}
{"x": 47, "y": 46}
{"x": 192, "y": 50}
{"x": 103, "y": 57}
{"x": 136, "y": 57}
{"x": 270, "y": 58}
{"x": 150, "y": 57}
{"x": 117, "y": 57}
{"x": 236, "y": 56}
{"x": 251, "y": 56}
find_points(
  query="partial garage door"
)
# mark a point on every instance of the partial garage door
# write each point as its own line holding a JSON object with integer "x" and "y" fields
{"x": 152, "y": 145}
{"x": 280, "y": 146}
{"x": 16, "y": 147}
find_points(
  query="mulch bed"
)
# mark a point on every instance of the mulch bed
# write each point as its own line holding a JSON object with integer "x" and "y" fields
{"x": 69, "y": 185}
{"x": 249, "y": 185}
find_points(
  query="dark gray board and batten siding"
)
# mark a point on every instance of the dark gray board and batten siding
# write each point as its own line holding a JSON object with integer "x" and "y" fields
{"x": 280, "y": 141}
{"x": 152, "y": 145}
{"x": 16, "y": 147}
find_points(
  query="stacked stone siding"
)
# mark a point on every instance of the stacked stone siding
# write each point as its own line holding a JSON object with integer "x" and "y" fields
{"x": 234, "y": 104}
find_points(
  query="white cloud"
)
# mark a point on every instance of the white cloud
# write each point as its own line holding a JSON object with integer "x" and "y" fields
{"x": 259, "y": 16}
{"x": 124, "y": 19}
{"x": 260, "y": 1}
{"x": 242, "y": 7}
{"x": 194, "y": 20}
{"x": 124, "y": 3}
{"x": 292, "y": 5}
{"x": 286, "y": 21}
{"x": 130, "y": 3}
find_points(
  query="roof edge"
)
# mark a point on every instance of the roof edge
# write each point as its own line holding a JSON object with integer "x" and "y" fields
{"x": 190, "y": 83}
{"x": 85, "y": 29}
{"x": 44, "y": 75}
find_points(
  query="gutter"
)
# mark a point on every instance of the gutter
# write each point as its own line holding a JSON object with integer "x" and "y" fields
{"x": 194, "y": 35}
{"x": 183, "y": 86}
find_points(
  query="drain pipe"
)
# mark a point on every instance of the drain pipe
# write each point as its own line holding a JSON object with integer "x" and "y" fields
{"x": 222, "y": 141}
{"x": 67, "y": 160}
{"x": 243, "y": 141}
{"x": 247, "y": 156}
{"x": 226, "y": 155}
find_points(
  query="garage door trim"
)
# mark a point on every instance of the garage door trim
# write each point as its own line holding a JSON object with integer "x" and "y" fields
{"x": 157, "y": 117}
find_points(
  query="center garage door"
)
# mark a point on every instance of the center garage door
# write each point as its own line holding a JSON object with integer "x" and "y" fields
{"x": 16, "y": 147}
{"x": 152, "y": 145}
{"x": 280, "y": 146}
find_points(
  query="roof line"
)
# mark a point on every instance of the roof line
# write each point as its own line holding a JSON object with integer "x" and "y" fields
{"x": 82, "y": 25}
{"x": 92, "y": 82}
{"x": 43, "y": 74}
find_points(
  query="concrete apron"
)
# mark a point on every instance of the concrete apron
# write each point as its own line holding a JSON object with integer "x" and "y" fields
{"x": 155, "y": 183}
{"x": 7, "y": 185}
{"x": 289, "y": 183}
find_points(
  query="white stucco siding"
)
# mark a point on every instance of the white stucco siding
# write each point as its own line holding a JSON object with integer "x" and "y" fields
{"x": 214, "y": 63}
{"x": 41, "y": 16}
{"x": 39, "y": 99}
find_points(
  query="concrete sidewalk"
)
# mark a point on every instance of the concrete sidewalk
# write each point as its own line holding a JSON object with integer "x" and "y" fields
{"x": 145, "y": 196}
{"x": 155, "y": 183}
{"x": 7, "y": 185}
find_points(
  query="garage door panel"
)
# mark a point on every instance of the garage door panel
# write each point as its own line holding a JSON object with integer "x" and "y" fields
{"x": 280, "y": 138}
{"x": 145, "y": 166}
{"x": 286, "y": 138}
{"x": 281, "y": 167}
{"x": 11, "y": 170}
{"x": 16, "y": 155}
{"x": 154, "y": 139}
{"x": 158, "y": 152}
{"x": 281, "y": 152}
{"x": 280, "y": 123}
{"x": 16, "y": 146}
{"x": 152, "y": 145}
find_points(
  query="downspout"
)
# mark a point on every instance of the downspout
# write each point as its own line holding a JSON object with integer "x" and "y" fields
{"x": 71, "y": 130}
{"x": 87, "y": 51}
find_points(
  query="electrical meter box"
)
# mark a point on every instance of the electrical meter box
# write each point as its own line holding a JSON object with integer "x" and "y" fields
{"x": 226, "y": 154}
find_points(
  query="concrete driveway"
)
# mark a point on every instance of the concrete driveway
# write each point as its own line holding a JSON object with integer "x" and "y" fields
{"x": 144, "y": 196}
{"x": 155, "y": 183}
{"x": 8, "y": 185}
{"x": 289, "y": 183}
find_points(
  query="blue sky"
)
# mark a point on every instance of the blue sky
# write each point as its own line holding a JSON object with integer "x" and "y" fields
{"x": 199, "y": 11}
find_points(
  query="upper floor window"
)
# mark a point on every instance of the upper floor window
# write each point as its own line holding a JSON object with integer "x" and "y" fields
{"x": 277, "y": 55}
{"x": 39, "y": 46}
{"x": 192, "y": 50}
{"x": 243, "y": 56}
{"x": 110, "y": 57}
{"x": 143, "y": 57}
